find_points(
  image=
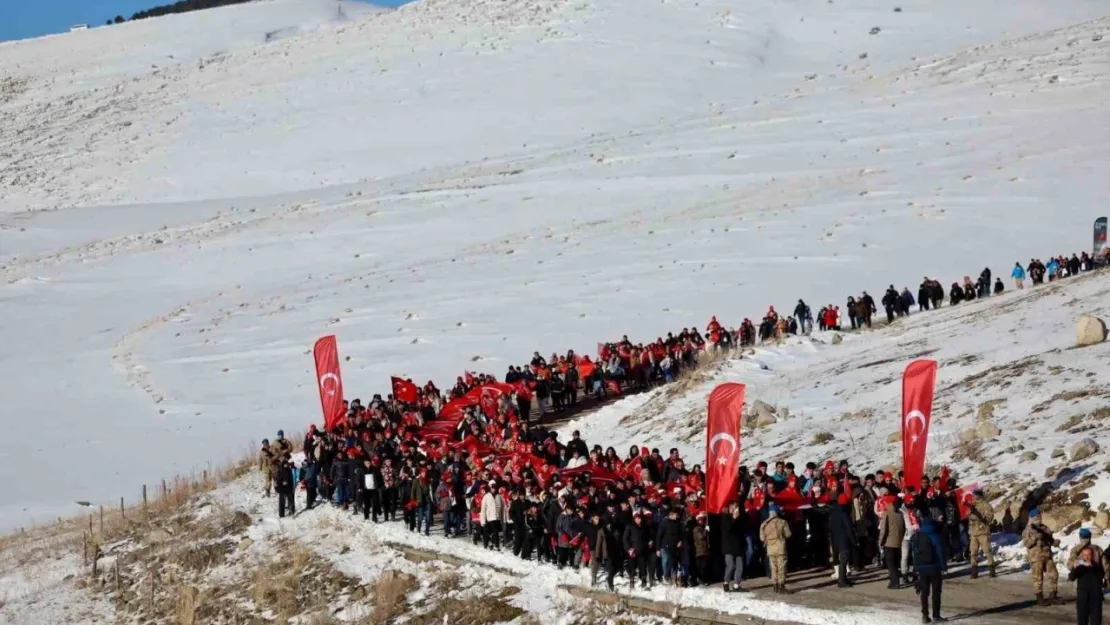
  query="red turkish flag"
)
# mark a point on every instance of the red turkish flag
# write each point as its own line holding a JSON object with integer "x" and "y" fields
{"x": 329, "y": 382}
{"x": 404, "y": 390}
{"x": 722, "y": 453}
{"x": 918, "y": 383}
{"x": 944, "y": 477}
{"x": 965, "y": 499}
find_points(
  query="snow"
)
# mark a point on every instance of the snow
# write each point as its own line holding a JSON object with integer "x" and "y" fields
{"x": 365, "y": 549}
{"x": 455, "y": 184}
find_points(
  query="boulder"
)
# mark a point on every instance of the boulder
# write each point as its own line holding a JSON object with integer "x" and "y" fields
{"x": 1029, "y": 456}
{"x": 969, "y": 436}
{"x": 1058, "y": 453}
{"x": 1083, "y": 449}
{"x": 765, "y": 420}
{"x": 896, "y": 437}
{"x": 783, "y": 413}
{"x": 1089, "y": 331}
{"x": 760, "y": 408}
{"x": 245, "y": 544}
{"x": 987, "y": 429}
{"x": 1102, "y": 520}
{"x": 837, "y": 339}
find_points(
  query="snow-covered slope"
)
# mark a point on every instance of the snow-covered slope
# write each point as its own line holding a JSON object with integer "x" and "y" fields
{"x": 457, "y": 183}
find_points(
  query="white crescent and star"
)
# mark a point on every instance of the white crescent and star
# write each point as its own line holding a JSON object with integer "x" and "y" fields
{"x": 915, "y": 415}
{"x": 722, "y": 436}
{"x": 329, "y": 376}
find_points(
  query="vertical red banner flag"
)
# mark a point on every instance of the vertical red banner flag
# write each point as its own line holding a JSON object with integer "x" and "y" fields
{"x": 328, "y": 380}
{"x": 722, "y": 453}
{"x": 918, "y": 383}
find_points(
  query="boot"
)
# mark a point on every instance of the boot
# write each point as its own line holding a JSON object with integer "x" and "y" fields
{"x": 992, "y": 573}
{"x": 1040, "y": 600}
{"x": 974, "y": 573}
{"x": 1053, "y": 599}
{"x": 728, "y": 587}
{"x": 925, "y": 618}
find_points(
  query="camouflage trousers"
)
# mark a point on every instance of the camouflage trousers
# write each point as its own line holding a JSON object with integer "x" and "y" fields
{"x": 983, "y": 542}
{"x": 1043, "y": 570}
{"x": 778, "y": 569}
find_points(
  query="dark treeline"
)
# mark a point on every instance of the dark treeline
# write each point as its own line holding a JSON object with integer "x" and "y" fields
{"x": 182, "y": 6}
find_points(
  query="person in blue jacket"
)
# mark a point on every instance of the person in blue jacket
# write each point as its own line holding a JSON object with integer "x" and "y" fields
{"x": 930, "y": 563}
{"x": 1018, "y": 274}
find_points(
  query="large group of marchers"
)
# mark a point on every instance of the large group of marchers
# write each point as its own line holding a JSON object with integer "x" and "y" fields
{"x": 477, "y": 461}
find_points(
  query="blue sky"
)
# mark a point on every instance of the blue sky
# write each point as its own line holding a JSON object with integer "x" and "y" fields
{"x": 31, "y": 18}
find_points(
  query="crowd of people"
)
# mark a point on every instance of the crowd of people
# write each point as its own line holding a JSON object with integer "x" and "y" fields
{"x": 478, "y": 461}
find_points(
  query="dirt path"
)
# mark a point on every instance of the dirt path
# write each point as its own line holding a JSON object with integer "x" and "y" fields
{"x": 1008, "y": 598}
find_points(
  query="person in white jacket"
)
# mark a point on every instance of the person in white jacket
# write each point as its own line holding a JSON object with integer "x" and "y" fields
{"x": 577, "y": 461}
{"x": 491, "y": 516}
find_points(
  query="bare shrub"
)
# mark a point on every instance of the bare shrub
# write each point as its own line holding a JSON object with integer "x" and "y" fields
{"x": 820, "y": 438}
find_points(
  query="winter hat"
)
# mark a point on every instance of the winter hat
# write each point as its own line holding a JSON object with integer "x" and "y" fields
{"x": 1034, "y": 513}
{"x": 281, "y": 433}
{"x": 1084, "y": 532}
{"x": 265, "y": 441}
{"x": 774, "y": 509}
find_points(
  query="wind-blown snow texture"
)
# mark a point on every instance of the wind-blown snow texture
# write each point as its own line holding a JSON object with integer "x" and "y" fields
{"x": 457, "y": 183}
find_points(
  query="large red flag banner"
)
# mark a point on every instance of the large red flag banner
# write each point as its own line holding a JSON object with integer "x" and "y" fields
{"x": 918, "y": 383}
{"x": 404, "y": 390}
{"x": 722, "y": 453}
{"x": 329, "y": 381}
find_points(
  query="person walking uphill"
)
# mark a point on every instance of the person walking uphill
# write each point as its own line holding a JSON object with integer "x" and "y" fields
{"x": 1039, "y": 542}
{"x": 1018, "y": 274}
{"x": 930, "y": 562}
{"x": 774, "y": 532}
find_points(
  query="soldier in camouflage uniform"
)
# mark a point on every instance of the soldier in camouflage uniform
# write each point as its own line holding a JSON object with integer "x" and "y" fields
{"x": 979, "y": 520}
{"x": 1039, "y": 541}
{"x": 774, "y": 532}
{"x": 267, "y": 458}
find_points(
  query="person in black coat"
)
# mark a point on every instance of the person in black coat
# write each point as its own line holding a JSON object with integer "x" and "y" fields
{"x": 636, "y": 545}
{"x": 890, "y": 303}
{"x": 518, "y": 512}
{"x": 843, "y": 535}
{"x": 734, "y": 545}
{"x": 1088, "y": 575}
{"x": 669, "y": 541}
{"x": 612, "y": 555}
{"x": 576, "y": 444}
{"x": 284, "y": 486}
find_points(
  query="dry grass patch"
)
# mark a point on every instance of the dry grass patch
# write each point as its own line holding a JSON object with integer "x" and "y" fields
{"x": 389, "y": 595}
{"x": 483, "y": 610}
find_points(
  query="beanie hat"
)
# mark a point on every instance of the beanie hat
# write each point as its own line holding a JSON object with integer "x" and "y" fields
{"x": 281, "y": 433}
{"x": 773, "y": 508}
{"x": 1084, "y": 532}
{"x": 1034, "y": 513}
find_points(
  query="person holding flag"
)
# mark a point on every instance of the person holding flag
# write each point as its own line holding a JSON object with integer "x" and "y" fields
{"x": 980, "y": 515}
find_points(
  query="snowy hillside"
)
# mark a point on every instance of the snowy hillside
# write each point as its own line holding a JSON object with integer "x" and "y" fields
{"x": 457, "y": 183}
